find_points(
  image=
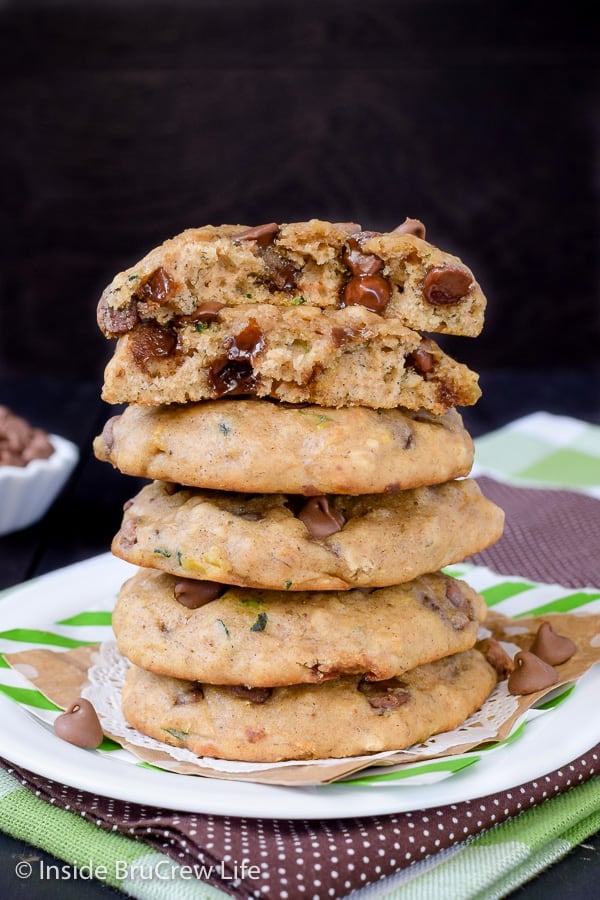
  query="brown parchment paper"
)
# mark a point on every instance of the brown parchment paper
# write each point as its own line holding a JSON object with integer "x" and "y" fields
{"x": 62, "y": 675}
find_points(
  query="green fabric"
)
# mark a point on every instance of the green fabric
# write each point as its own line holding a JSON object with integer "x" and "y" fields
{"x": 114, "y": 859}
{"x": 489, "y": 866}
{"x": 508, "y": 855}
{"x": 543, "y": 450}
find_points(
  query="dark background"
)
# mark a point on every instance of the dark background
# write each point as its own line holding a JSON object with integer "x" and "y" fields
{"x": 125, "y": 122}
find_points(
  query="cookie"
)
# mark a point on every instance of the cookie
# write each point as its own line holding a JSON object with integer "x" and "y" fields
{"x": 345, "y": 357}
{"x": 398, "y": 275}
{"x": 345, "y": 717}
{"x": 286, "y": 542}
{"x": 205, "y": 632}
{"x": 258, "y": 446}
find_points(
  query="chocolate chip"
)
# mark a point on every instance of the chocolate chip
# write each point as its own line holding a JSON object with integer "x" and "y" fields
{"x": 150, "y": 341}
{"x": 455, "y": 594}
{"x": 206, "y": 312}
{"x": 155, "y": 288}
{"x": 422, "y": 361}
{"x": 262, "y": 234}
{"x": 193, "y": 694}
{"x": 128, "y": 532}
{"x": 281, "y": 274}
{"x": 193, "y": 594}
{"x": 247, "y": 343}
{"x": 108, "y": 435}
{"x": 530, "y": 674}
{"x": 374, "y": 292}
{"x": 553, "y": 648}
{"x": 320, "y": 518}
{"x": 443, "y": 287}
{"x": 359, "y": 262}
{"x": 20, "y": 443}
{"x": 114, "y": 322}
{"x": 234, "y": 373}
{"x": 411, "y": 226}
{"x": 80, "y": 725}
{"x": 341, "y": 336}
{"x": 232, "y": 376}
{"x": 497, "y": 657}
{"x": 254, "y": 694}
{"x": 389, "y": 694}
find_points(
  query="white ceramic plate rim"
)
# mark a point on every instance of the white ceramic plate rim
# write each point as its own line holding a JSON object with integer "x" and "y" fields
{"x": 548, "y": 742}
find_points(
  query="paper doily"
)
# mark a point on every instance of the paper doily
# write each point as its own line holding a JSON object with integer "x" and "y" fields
{"x": 104, "y": 692}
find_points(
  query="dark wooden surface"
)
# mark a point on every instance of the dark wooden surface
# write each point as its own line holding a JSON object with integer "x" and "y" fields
{"x": 84, "y": 518}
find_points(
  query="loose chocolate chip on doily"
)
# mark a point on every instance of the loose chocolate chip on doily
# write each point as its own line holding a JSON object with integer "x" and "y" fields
{"x": 530, "y": 674}
{"x": 553, "y": 648}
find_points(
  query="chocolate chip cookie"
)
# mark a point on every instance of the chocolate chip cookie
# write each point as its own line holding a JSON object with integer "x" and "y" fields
{"x": 341, "y": 357}
{"x": 253, "y": 445}
{"x": 396, "y": 275}
{"x": 345, "y": 717}
{"x": 225, "y": 635}
{"x": 288, "y": 542}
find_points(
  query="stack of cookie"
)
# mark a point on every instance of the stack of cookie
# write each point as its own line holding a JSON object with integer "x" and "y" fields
{"x": 307, "y": 469}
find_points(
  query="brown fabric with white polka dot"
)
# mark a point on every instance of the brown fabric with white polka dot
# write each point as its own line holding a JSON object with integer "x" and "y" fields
{"x": 306, "y": 858}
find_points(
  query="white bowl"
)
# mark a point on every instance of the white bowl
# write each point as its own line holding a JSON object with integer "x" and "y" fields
{"x": 26, "y": 493}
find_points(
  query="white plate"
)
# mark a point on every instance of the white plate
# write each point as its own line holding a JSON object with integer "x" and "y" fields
{"x": 548, "y": 742}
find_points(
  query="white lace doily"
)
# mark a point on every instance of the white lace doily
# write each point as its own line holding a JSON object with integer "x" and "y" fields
{"x": 104, "y": 692}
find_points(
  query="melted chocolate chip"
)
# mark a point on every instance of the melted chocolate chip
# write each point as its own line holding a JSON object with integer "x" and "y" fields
{"x": 422, "y": 361}
{"x": 374, "y": 292}
{"x": 254, "y": 694}
{"x": 194, "y": 594}
{"x": 247, "y": 343}
{"x": 232, "y": 376}
{"x": 193, "y": 694}
{"x": 150, "y": 341}
{"x": 359, "y": 262}
{"x": 389, "y": 694}
{"x": 206, "y": 312}
{"x": 443, "y": 287}
{"x": 281, "y": 274}
{"x": 234, "y": 373}
{"x": 320, "y": 518}
{"x": 264, "y": 235}
{"x": 80, "y": 725}
{"x": 553, "y": 648}
{"x": 342, "y": 335}
{"x": 411, "y": 226}
{"x": 530, "y": 674}
{"x": 155, "y": 288}
{"x": 455, "y": 594}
